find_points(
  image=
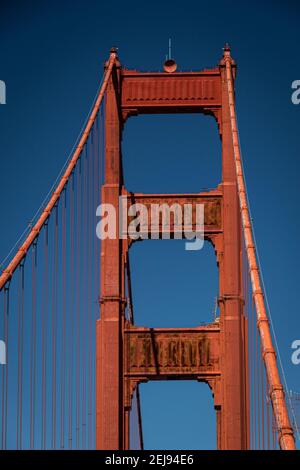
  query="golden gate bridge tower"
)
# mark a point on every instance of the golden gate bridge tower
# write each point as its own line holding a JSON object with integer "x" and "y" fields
{"x": 74, "y": 358}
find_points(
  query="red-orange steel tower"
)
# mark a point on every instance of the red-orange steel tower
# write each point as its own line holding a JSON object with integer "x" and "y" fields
{"x": 217, "y": 353}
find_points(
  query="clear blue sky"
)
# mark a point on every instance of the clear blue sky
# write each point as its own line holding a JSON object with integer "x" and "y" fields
{"x": 51, "y": 58}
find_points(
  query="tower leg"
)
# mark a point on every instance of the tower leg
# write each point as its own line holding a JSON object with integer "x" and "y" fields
{"x": 234, "y": 414}
{"x": 109, "y": 341}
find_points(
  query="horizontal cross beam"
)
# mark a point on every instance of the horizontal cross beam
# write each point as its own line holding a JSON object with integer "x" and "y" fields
{"x": 158, "y": 213}
{"x": 172, "y": 353}
{"x": 177, "y": 92}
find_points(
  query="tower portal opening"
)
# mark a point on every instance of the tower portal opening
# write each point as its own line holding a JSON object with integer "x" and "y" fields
{"x": 178, "y": 415}
{"x": 171, "y": 153}
{"x": 172, "y": 287}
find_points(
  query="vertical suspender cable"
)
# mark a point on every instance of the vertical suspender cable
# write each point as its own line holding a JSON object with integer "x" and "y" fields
{"x": 255, "y": 384}
{"x": 251, "y": 354}
{"x": 268, "y": 423}
{"x": 258, "y": 390}
{"x": 64, "y": 321}
{"x": 5, "y": 369}
{"x": 89, "y": 282}
{"x": 6, "y": 336}
{"x": 91, "y": 235}
{"x": 7, "y": 360}
{"x": 263, "y": 403}
{"x": 96, "y": 254}
{"x": 3, "y": 376}
{"x": 139, "y": 411}
{"x": 85, "y": 299}
{"x": 274, "y": 429}
{"x": 71, "y": 316}
{"x": 45, "y": 309}
{"x": 54, "y": 326}
{"x": 78, "y": 299}
{"x": 33, "y": 345}
{"x": 20, "y": 355}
